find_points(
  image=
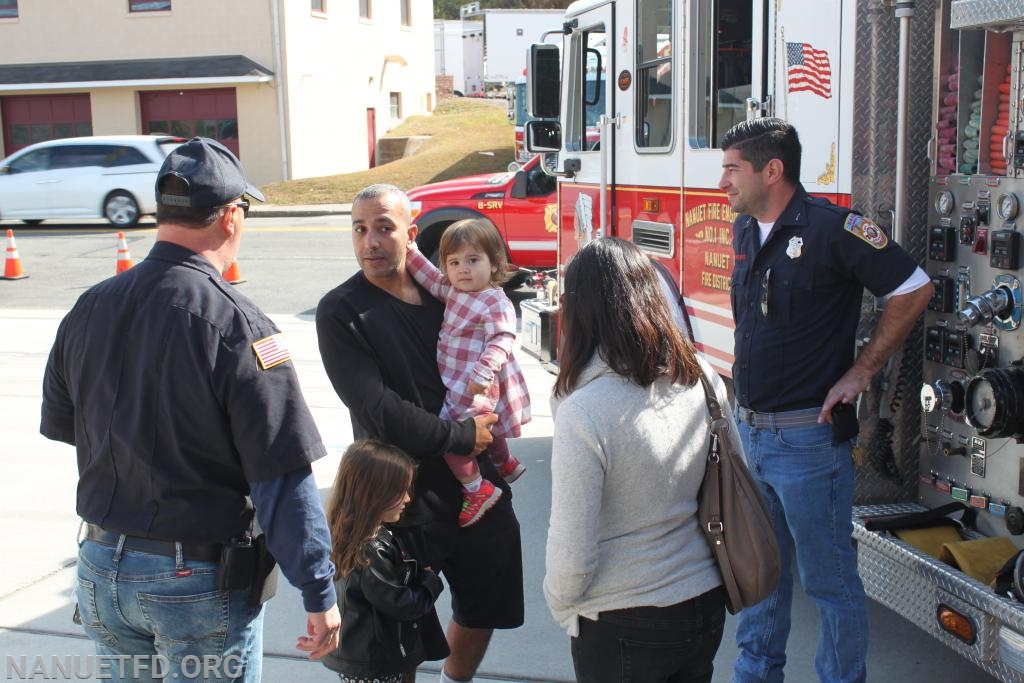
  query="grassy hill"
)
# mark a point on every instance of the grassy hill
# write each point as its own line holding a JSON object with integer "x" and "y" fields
{"x": 467, "y": 136}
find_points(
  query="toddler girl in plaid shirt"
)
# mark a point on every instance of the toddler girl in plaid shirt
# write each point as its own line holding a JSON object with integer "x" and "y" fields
{"x": 474, "y": 351}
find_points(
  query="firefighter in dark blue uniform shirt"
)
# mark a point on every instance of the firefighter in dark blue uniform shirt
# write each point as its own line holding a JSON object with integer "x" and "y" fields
{"x": 801, "y": 266}
{"x": 187, "y": 417}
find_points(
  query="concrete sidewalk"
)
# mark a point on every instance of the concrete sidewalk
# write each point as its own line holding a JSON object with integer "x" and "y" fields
{"x": 38, "y": 523}
{"x": 38, "y": 528}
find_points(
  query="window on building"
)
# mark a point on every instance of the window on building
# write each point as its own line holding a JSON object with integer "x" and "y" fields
{"x": 22, "y": 135}
{"x": 318, "y": 6}
{"x": 218, "y": 129}
{"x": 366, "y": 9}
{"x": 654, "y": 93}
{"x": 723, "y": 62}
{"x": 406, "y": 11}
{"x": 8, "y": 9}
{"x": 149, "y": 5}
{"x": 396, "y": 105}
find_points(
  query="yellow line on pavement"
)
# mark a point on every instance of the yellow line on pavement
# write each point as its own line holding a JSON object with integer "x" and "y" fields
{"x": 304, "y": 228}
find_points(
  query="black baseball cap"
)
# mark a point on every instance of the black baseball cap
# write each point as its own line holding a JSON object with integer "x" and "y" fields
{"x": 213, "y": 174}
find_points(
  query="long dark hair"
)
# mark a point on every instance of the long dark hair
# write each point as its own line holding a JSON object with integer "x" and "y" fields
{"x": 372, "y": 476}
{"x": 613, "y": 305}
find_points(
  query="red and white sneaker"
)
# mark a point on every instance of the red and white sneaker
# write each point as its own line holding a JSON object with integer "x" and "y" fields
{"x": 474, "y": 505}
{"x": 511, "y": 469}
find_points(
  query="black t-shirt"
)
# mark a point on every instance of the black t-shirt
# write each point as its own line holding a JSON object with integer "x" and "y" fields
{"x": 381, "y": 356}
{"x": 154, "y": 378}
{"x": 796, "y": 300}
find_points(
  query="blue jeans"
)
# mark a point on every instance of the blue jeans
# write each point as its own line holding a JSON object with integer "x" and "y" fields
{"x": 675, "y": 644}
{"x": 808, "y": 486}
{"x": 169, "y": 615}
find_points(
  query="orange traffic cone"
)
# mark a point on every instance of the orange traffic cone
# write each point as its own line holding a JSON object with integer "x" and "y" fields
{"x": 233, "y": 275}
{"x": 124, "y": 259}
{"x": 12, "y": 264}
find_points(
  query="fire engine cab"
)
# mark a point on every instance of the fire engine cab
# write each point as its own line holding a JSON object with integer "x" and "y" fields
{"x": 519, "y": 203}
{"x": 911, "y": 113}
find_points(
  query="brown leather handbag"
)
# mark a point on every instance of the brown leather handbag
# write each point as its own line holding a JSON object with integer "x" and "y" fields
{"x": 734, "y": 517}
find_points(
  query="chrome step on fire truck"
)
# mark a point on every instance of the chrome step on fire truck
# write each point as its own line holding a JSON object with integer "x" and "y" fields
{"x": 912, "y": 113}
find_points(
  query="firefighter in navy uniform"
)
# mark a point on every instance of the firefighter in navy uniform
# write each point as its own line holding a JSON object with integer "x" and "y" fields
{"x": 188, "y": 420}
{"x": 801, "y": 266}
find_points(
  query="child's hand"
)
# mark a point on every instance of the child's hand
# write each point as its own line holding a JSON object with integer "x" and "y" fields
{"x": 476, "y": 388}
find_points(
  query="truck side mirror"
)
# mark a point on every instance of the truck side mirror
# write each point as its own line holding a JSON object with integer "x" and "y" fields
{"x": 518, "y": 189}
{"x": 543, "y": 74}
{"x": 543, "y": 136}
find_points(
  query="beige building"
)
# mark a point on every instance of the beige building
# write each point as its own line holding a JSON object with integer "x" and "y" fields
{"x": 297, "y": 88}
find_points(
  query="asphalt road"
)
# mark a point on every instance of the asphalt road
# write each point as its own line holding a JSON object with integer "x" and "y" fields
{"x": 289, "y": 263}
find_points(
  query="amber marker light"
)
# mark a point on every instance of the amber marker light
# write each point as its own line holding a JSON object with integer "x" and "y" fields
{"x": 956, "y": 624}
{"x": 650, "y": 205}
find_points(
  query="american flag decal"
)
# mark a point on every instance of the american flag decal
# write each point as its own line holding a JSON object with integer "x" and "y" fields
{"x": 271, "y": 351}
{"x": 809, "y": 70}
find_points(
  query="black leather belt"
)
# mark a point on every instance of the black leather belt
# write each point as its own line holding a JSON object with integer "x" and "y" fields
{"x": 789, "y": 418}
{"x": 200, "y": 552}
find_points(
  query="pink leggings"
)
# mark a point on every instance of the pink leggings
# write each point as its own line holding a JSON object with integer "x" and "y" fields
{"x": 465, "y": 468}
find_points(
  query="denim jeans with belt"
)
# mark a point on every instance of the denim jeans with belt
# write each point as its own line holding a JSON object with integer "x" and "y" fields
{"x": 808, "y": 486}
{"x": 675, "y": 644}
{"x": 167, "y": 610}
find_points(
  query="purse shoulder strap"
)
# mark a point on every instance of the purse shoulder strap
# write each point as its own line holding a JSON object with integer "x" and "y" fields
{"x": 711, "y": 397}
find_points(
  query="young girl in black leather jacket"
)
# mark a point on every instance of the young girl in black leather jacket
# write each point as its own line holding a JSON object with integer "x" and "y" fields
{"x": 389, "y": 625}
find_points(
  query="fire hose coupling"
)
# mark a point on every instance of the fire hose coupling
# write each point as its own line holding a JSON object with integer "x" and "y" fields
{"x": 1000, "y": 305}
{"x": 905, "y": 8}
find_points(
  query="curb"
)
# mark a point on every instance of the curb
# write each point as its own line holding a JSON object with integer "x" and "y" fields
{"x": 281, "y": 211}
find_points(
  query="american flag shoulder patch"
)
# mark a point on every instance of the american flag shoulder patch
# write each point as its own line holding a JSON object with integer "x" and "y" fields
{"x": 271, "y": 351}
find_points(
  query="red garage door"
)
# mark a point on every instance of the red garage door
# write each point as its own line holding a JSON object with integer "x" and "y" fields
{"x": 210, "y": 113}
{"x": 34, "y": 118}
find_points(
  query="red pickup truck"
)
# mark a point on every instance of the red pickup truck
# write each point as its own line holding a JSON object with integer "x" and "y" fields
{"x": 520, "y": 204}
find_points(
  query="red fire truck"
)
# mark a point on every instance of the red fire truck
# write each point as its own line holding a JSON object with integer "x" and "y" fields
{"x": 911, "y": 113}
{"x": 520, "y": 204}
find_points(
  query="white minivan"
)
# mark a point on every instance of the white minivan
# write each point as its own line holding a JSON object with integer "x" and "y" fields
{"x": 110, "y": 177}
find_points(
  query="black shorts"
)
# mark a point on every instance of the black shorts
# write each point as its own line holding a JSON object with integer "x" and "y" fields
{"x": 482, "y": 564}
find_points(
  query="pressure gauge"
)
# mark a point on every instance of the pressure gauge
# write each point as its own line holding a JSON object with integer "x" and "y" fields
{"x": 1008, "y": 206}
{"x": 981, "y": 404}
{"x": 944, "y": 203}
{"x": 994, "y": 402}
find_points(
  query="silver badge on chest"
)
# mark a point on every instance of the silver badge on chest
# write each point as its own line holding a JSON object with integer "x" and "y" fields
{"x": 795, "y": 248}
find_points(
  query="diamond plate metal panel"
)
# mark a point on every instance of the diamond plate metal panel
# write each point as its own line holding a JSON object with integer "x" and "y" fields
{"x": 912, "y": 584}
{"x": 987, "y": 14}
{"x": 873, "y": 190}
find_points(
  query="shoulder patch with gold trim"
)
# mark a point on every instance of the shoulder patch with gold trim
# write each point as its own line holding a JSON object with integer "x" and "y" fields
{"x": 862, "y": 228}
{"x": 271, "y": 351}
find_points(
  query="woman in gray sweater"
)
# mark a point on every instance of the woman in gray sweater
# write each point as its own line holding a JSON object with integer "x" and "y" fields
{"x": 629, "y": 574}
